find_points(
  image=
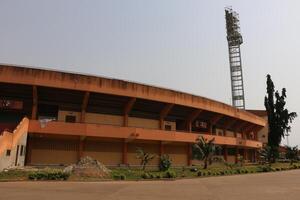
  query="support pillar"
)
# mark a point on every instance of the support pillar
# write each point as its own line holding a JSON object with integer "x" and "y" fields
{"x": 124, "y": 153}
{"x": 189, "y": 154}
{"x": 34, "y": 103}
{"x": 236, "y": 155}
{"x": 225, "y": 153}
{"x": 189, "y": 127}
{"x": 80, "y": 148}
{"x": 245, "y": 154}
{"x": 125, "y": 123}
{"x": 161, "y": 148}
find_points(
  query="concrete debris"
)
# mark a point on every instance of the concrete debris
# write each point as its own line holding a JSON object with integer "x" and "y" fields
{"x": 88, "y": 167}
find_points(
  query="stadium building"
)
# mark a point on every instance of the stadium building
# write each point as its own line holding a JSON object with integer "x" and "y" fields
{"x": 54, "y": 118}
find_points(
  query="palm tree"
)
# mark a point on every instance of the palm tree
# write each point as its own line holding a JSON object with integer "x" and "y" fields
{"x": 144, "y": 157}
{"x": 204, "y": 150}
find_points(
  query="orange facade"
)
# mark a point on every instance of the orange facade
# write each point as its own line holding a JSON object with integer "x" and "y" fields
{"x": 73, "y": 115}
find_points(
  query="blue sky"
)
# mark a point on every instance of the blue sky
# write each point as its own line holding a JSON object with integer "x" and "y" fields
{"x": 172, "y": 43}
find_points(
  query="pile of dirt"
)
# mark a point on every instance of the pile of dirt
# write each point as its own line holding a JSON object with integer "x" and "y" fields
{"x": 88, "y": 167}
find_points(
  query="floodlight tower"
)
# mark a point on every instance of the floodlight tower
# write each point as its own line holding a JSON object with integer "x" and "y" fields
{"x": 235, "y": 39}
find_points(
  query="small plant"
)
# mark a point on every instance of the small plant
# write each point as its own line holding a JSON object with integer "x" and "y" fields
{"x": 119, "y": 176}
{"x": 165, "y": 162}
{"x": 146, "y": 175}
{"x": 170, "y": 174}
{"x": 48, "y": 175}
{"x": 144, "y": 157}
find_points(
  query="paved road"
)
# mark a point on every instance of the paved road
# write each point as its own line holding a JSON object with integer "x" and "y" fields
{"x": 270, "y": 186}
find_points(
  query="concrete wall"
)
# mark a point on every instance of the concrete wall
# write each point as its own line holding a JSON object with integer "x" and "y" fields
{"x": 62, "y": 115}
{"x": 177, "y": 153}
{"x": 49, "y": 150}
{"x": 106, "y": 152}
{"x": 95, "y": 118}
{"x": 143, "y": 123}
{"x": 14, "y": 142}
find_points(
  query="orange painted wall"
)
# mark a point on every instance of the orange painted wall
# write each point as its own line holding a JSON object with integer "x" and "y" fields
{"x": 107, "y": 152}
{"x": 14, "y": 74}
{"x": 177, "y": 153}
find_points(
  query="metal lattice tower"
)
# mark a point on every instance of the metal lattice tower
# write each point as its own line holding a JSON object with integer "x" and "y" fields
{"x": 235, "y": 39}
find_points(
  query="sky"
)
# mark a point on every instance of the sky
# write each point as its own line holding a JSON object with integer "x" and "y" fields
{"x": 171, "y": 43}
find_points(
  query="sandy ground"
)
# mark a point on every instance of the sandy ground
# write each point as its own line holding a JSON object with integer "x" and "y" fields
{"x": 273, "y": 186}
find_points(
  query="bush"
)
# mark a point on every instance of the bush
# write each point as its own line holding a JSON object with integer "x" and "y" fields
{"x": 48, "y": 175}
{"x": 119, "y": 176}
{"x": 265, "y": 168}
{"x": 170, "y": 174}
{"x": 194, "y": 169}
{"x": 165, "y": 162}
{"x": 146, "y": 175}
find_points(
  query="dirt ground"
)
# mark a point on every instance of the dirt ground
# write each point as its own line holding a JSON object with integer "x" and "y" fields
{"x": 269, "y": 186}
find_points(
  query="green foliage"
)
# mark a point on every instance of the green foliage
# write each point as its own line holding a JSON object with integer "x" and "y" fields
{"x": 147, "y": 175}
{"x": 165, "y": 162}
{"x": 48, "y": 175}
{"x": 264, "y": 168}
{"x": 170, "y": 174}
{"x": 204, "y": 150}
{"x": 144, "y": 157}
{"x": 292, "y": 154}
{"x": 279, "y": 117}
{"x": 119, "y": 176}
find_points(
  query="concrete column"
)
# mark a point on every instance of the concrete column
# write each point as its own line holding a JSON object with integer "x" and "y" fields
{"x": 189, "y": 127}
{"x": 34, "y": 103}
{"x": 161, "y": 148}
{"x": 236, "y": 155}
{"x": 225, "y": 153}
{"x": 124, "y": 153}
{"x": 125, "y": 120}
{"x": 255, "y": 155}
{"x": 245, "y": 154}
{"x": 80, "y": 148}
{"x": 189, "y": 154}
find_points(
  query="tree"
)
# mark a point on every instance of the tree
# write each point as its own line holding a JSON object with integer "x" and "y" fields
{"x": 292, "y": 154}
{"x": 279, "y": 118}
{"x": 144, "y": 157}
{"x": 204, "y": 150}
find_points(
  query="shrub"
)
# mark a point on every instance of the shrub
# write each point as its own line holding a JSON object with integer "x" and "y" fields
{"x": 202, "y": 173}
{"x": 119, "y": 176}
{"x": 147, "y": 175}
{"x": 165, "y": 162}
{"x": 265, "y": 168}
{"x": 158, "y": 176}
{"x": 170, "y": 174}
{"x": 48, "y": 175}
{"x": 194, "y": 169}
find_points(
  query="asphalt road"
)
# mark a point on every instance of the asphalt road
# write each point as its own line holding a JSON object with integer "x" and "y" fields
{"x": 268, "y": 186}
